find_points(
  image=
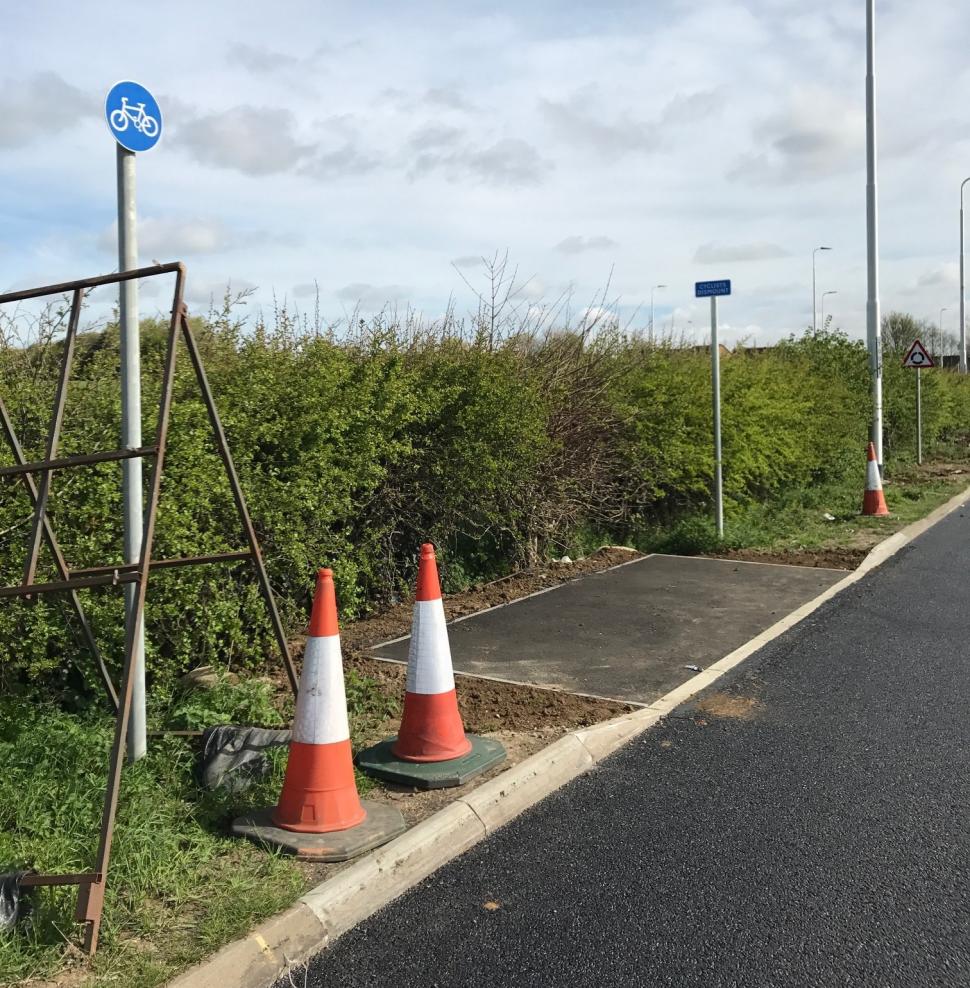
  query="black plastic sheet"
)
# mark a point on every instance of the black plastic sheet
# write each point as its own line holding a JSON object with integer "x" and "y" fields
{"x": 235, "y": 757}
{"x": 14, "y": 900}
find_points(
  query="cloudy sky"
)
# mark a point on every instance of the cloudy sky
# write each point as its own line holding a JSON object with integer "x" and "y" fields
{"x": 377, "y": 150}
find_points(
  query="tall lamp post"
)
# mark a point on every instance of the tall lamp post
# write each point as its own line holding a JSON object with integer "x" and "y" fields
{"x": 963, "y": 291}
{"x": 652, "y": 291}
{"x": 814, "y": 292}
{"x": 873, "y": 327}
{"x": 823, "y": 305}
{"x": 944, "y": 309}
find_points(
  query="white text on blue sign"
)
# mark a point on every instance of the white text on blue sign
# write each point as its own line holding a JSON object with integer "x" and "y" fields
{"x": 705, "y": 289}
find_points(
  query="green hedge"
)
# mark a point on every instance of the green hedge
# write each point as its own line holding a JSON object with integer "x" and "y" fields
{"x": 353, "y": 451}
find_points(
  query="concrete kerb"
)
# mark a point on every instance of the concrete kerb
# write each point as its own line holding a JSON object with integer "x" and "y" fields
{"x": 358, "y": 891}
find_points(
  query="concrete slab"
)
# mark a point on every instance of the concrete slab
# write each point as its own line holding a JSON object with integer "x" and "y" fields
{"x": 628, "y": 632}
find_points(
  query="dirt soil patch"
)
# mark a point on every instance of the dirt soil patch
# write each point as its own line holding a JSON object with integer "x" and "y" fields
{"x": 942, "y": 469}
{"x": 834, "y": 558}
{"x": 489, "y": 706}
{"x": 728, "y": 705}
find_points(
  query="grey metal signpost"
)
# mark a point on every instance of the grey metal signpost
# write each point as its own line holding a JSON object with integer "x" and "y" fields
{"x": 919, "y": 416}
{"x": 712, "y": 289}
{"x": 918, "y": 357}
{"x": 135, "y": 122}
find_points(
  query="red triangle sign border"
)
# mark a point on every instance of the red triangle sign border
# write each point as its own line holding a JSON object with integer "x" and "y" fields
{"x": 917, "y": 356}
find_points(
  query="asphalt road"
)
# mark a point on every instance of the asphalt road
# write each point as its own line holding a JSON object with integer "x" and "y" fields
{"x": 822, "y": 841}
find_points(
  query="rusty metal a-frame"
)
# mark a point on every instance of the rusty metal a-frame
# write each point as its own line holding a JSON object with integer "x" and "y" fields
{"x": 91, "y": 884}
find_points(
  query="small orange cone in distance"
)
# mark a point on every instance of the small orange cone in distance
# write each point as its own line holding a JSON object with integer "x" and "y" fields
{"x": 319, "y": 792}
{"x": 873, "y": 501}
{"x": 431, "y": 727}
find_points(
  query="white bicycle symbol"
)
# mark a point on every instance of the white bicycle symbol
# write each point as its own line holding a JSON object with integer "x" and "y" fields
{"x": 140, "y": 120}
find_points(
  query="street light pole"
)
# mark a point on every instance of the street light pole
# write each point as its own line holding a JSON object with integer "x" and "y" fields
{"x": 814, "y": 292}
{"x": 823, "y": 305}
{"x": 652, "y": 290}
{"x": 873, "y": 328}
{"x": 963, "y": 291}
{"x": 944, "y": 309}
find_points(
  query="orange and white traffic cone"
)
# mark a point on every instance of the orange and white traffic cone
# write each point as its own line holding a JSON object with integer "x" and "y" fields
{"x": 320, "y": 814}
{"x": 319, "y": 792}
{"x": 431, "y": 750}
{"x": 431, "y": 727}
{"x": 873, "y": 501}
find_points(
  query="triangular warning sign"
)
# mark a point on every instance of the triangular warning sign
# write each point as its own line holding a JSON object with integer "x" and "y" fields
{"x": 917, "y": 356}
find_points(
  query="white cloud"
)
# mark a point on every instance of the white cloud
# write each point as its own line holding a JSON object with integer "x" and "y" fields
{"x": 942, "y": 276}
{"x": 509, "y": 161}
{"x": 578, "y": 244}
{"x": 532, "y": 290}
{"x": 580, "y": 120}
{"x": 306, "y": 290}
{"x": 372, "y": 298}
{"x": 171, "y": 237}
{"x": 587, "y": 118}
{"x": 599, "y": 316}
{"x": 468, "y": 261}
{"x": 449, "y": 98}
{"x": 257, "y": 58}
{"x": 728, "y": 253}
{"x": 342, "y": 161}
{"x": 821, "y": 133}
{"x": 253, "y": 140}
{"x": 40, "y": 105}
{"x": 203, "y": 294}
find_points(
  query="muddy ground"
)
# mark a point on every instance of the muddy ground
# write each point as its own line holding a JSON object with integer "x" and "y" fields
{"x": 838, "y": 558}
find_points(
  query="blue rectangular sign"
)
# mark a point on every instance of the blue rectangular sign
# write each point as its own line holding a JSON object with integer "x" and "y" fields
{"x": 704, "y": 289}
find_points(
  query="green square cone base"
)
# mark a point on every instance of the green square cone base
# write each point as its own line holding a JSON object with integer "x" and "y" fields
{"x": 382, "y": 823}
{"x": 381, "y": 762}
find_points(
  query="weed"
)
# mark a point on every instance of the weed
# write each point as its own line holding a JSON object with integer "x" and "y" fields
{"x": 180, "y": 886}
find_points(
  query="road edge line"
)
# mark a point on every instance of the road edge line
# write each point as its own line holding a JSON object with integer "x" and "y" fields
{"x": 377, "y": 879}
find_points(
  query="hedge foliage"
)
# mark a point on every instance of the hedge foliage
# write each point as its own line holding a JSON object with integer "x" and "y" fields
{"x": 354, "y": 449}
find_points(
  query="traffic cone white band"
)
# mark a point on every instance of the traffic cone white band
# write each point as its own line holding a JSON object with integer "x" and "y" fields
{"x": 873, "y": 483}
{"x": 429, "y": 654}
{"x": 321, "y": 707}
{"x": 873, "y": 500}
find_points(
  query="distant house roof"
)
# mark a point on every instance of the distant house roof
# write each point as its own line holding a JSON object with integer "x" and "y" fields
{"x": 705, "y": 348}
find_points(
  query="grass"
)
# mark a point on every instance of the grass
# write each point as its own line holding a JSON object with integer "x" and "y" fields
{"x": 179, "y": 886}
{"x": 799, "y": 522}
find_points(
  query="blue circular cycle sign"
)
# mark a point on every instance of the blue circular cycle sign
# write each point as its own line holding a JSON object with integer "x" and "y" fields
{"x": 133, "y": 116}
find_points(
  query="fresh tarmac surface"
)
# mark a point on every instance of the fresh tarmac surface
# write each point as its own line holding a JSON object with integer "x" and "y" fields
{"x": 822, "y": 841}
{"x": 628, "y": 632}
